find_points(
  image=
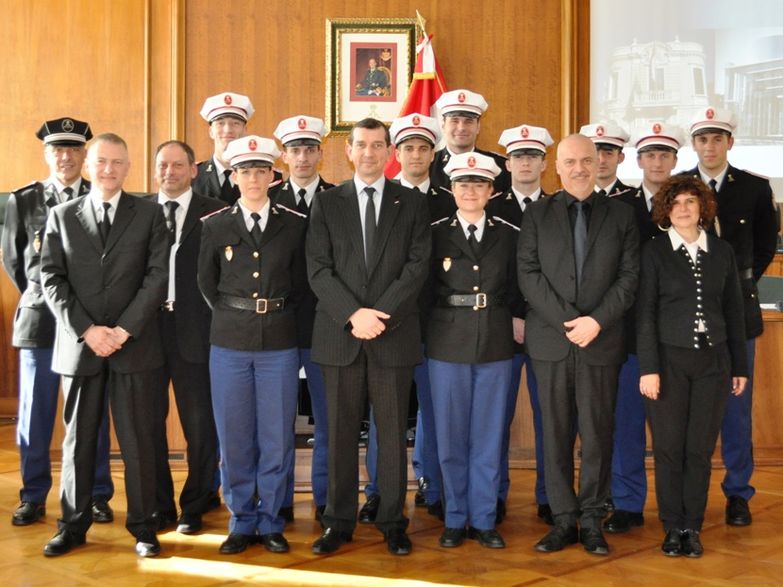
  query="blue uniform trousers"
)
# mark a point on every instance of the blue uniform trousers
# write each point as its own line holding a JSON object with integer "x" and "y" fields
{"x": 518, "y": 361}
{"x": 254, "y": 397}
{"x": 38, "y": 394}
{"x": 469, "y": 420}
{"x": 736, "y": 437}
{"x": 629, "y": 478}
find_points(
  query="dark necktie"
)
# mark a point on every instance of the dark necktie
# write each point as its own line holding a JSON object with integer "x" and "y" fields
{"x": 416, "y": 189}
{"x": 227, "y": 191}
{"x": 527, "y": 200}
{"x": 105, "y": 223}
{"x": 369, "y": 223}
{"x": 580, "y": 239}
{"x": 255, "y": 233}
{"x": 301, "y": 204}
{"x": 602, "y": 192}
{"x": 714, "y": 186}
{"x": 171, "y": 221}
{"x": 67, "y": 193}
{"x": 472, "y": 239}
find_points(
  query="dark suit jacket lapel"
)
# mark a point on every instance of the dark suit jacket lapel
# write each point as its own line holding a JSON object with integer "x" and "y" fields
{"x": 195, "y": 211}
{"x": 241, "y": 228}
{"x": 457, "y": 236}
{"x": 349, "y": 208}
{"x": 122, "y": 218}
{"x": 50, "y": 196}
{"x": 597, "y": 217}
{"x": 84, "y": 189}
{"x": 86, "y": 217}
{"x": 273, "y": 226}
{"x": 560, "y": 208}
{"x": 390, "y": 207}
{"x": 488, "y": 240}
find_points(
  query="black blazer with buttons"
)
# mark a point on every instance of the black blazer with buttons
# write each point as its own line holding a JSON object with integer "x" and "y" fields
{"x": 390, "y": 282}
{"x": 462, "y": 334}
{"x": 747, "y": 220}
{"x": 547, "y": 277}
{"x": 669, "y": 299}
{"x": 230, "y": 264}
{"x": 25, "y": 224}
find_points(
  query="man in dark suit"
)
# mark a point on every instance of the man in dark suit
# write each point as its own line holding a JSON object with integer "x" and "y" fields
{"x": 301, "y": 139}
{"x": 747, "y": 220}
{"x": 368, "y": 250}
{"x": 578, "y": 269}
{"x": 526, "y": 151}
{"x": 104, "y": 271}
{"x": 184, "y": 326}
{"x": 461, "y": 111}
{"x": 609, "y": 140}
{"x": 25, "y": 220}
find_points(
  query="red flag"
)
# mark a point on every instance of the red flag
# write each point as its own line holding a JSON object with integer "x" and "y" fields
{"x": 426, "y": 87}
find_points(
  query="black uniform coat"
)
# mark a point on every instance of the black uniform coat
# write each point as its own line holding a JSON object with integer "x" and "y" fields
{"x": 25, "y": 223}
{"x": 207, "y": 181}
{"x": 547, "y": 277}
{"x": 231, "y": 264}
{"x": 506, "y": 206}
{"x": 747, "y": 219}
{"x": 123, "y": 285}
{"x": 462, "y": 334}
{"x": 391, "y": 283}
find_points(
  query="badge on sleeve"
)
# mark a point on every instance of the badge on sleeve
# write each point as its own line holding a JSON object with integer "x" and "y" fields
{"x": 37, "y": 242}
{"x": 446, "y": 263}
{"x": 229, "y": 253}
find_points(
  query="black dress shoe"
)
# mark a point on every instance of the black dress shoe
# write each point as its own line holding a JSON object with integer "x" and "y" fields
{"x": 63, "y": 542}
{"x": 274, "y": 542}
{"x": 738, "y": 511}
{"x": 369, "y": 510}
{"x": 558, "y": 538}
{"x": 101, "y": 511}
{"x": 436, "y": 509}
{"x": 147, "y": 544}
{"x": 189, "y": 523}
{"x": 500, "y": 511}
{"x": 419, "y": 500}
{"x": 287, "y": 513}
{"x": 545, "y": 513}
{"x": 213, "y": 502}
{"x": 691, "y": 544}
{"x": 236, "y": 543}
{"x": 330, "y": 541}
{"x": 398, "y": 543}
{"x": 452, "y": 537}
{"x": 164, "y": 520}
{"x": 672, "y": 544}
{"x": 621, "y": 521}
{"x": 487, "y": 538}
{"x": 593, "y": 540}
{"x": 28, "y": 513}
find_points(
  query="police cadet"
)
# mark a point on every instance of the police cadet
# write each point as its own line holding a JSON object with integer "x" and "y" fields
{"x": 469, "y": 344}
{"x": 461, "y": 111}
{"x": 227, "y": 114}
{"x": 746, "y": 219}
{"x": 656, "y": 154}
{"x": 609, "y": 140}
{"x": 25, "y": 220}
{"x": 526, "y": 150}
{"x": 301, "y": 139}
{"x": 252, "y": 273}
{"x": 414, "y": 137}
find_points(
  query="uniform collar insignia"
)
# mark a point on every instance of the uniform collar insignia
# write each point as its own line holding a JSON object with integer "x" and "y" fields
{"x": 730, "y": 177}
{"x": 453, "y": 222}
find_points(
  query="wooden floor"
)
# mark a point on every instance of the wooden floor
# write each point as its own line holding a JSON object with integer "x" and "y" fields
{"x": 734, "y": 556}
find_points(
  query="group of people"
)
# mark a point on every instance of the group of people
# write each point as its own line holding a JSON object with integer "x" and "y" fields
{"x": 454, "y": 276}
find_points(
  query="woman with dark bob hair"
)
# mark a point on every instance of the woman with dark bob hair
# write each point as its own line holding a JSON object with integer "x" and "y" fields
{"x": 691, "y": 345}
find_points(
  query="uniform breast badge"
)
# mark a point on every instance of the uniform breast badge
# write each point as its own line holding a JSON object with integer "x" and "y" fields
{"x": 446, "y": 263}
{"x": 229, "y": 253}
{"x": 37, "y": 243}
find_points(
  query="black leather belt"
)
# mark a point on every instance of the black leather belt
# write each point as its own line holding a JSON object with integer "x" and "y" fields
{"x": 257, "y": 305}
{"x": 167, "y": 306}
{"x": 746, "y": 273}
{"x": 478, "y": 301}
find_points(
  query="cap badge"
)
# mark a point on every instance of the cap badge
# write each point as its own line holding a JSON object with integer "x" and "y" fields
{"x": 416, "y": 121}
{"x": 599, "y": 131}
{"x": 252, "y": 145}
{"x": 68, "y": 125}
{"x": 656, "y": 128}
{"x": 227, "y": 99}
{"x": 710, "y": 113}
{"x": 471, "y": 162}
{"x": 301, "y": 123}
{"x": 446, "y": 263}
{"x": 461, "y": 97}
{"x": 524, "y": 132}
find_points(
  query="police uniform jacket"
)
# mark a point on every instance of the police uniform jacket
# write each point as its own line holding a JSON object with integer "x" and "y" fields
{"x": 462, "y": 334}
{"x": 507, "y": 207}
{"x": 619, "y": 188}
{"x": 230, "y": 264}
{"x": 747, "y": 220}
{"x": 440, "y": 180}
{"x": 673, "y": 290}
{"x": 284, "y": 195}
{"x": 25, "y": 223}
{"x": 207, "y": 180}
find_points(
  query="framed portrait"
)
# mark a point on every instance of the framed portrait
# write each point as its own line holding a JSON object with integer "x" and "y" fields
{"x": 369, "y": 65}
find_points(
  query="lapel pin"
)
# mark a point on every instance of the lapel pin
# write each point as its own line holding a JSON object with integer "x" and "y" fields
{"x": 229, "y": 253}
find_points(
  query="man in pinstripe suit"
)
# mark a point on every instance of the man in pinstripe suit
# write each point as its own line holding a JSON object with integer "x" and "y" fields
{"x": 366, "y": 335}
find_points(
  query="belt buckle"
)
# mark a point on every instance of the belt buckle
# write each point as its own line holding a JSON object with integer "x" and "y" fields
{"x": 258, "y": 307}
{"x": 481, "y": 300}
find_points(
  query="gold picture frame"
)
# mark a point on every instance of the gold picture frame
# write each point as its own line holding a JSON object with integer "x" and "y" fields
{"x": 369, "y": 67}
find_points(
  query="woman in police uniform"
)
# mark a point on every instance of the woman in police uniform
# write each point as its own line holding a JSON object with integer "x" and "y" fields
{"x": 469, "y": 345}
{"x": 252, "y": 273}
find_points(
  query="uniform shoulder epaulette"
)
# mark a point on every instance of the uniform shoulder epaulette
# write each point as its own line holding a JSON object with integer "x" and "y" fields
{"x": 497, "y": 195}
{"x": 290, "y": 211}
{"x": 445, "y": 189}
{"x": 436, "y": 222}
{"x": 506, "y": 222}
{"x": 622, "y": 193}
{"x": 215, "y": 212}
{"x": 30, "y": 185}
